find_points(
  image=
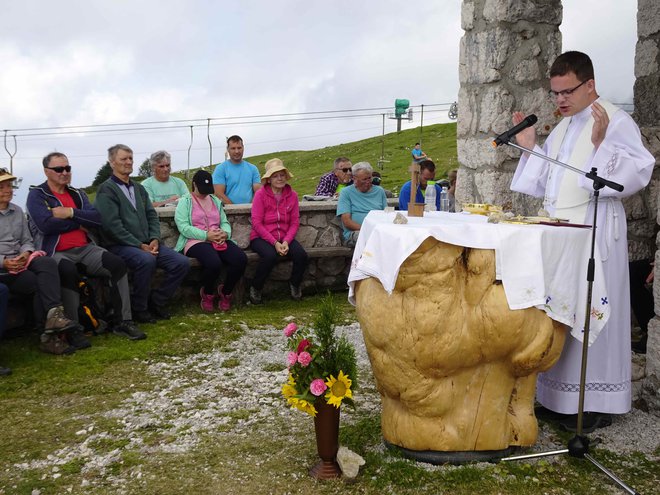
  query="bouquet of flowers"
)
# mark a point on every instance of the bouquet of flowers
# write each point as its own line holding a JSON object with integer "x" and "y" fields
{"x": 321, "y": 365}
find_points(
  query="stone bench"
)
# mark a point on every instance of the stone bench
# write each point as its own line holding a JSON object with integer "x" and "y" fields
{"x": 320, "y": 233}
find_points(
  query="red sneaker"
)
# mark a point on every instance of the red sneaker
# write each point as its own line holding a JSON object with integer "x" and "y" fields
{"x": 224, "y": 301}
{"x": 207, "y": 300}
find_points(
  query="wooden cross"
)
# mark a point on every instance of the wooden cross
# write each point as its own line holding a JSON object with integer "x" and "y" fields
{"x": 414, "y": 209}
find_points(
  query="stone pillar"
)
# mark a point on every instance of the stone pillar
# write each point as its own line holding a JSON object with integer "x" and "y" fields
{"x": 647, "y": 115}
{"x": 505, "y": 56}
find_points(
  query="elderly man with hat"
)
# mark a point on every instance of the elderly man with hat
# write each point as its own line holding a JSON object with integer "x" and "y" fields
{"x": 275, "y": 222}
{"x": 204, "y": 234}
{"x": 26, "y": 271}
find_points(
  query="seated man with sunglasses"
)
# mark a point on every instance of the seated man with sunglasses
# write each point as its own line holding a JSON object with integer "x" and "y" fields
{"x": 329, "y": 184}
{"x": 60, "y": 217}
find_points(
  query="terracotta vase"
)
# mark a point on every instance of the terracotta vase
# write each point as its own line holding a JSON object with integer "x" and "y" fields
{"x": 326, "y": 425}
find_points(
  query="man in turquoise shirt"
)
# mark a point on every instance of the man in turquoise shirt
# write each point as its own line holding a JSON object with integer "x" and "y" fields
{"x": 235, "y": 181}
{"x": 162, "y": 187}
{"x": 356, "y": 201}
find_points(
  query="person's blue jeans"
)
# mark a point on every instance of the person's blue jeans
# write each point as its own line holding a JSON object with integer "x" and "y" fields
{"x": 143, "y": 266}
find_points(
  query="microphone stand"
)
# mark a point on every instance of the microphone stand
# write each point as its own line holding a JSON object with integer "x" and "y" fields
{"x": 578, "y": 446}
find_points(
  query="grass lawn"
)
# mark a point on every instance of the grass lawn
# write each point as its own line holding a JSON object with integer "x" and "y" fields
{"x": 196, "y": 409}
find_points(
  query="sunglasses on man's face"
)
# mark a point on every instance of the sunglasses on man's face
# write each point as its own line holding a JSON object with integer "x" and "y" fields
{"x": 59, "y": 170}
{"x": 345, "y": 170}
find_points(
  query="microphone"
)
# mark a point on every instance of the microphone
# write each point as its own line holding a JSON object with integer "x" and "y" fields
{"x": 505, "y": 137}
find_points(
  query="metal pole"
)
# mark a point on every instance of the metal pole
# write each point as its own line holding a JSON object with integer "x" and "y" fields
{"x": 382, "y": 145}
{"x": 11, "y": 155}
{"x": 189, "y": 148}
{"x": 208, "y": 136}
{"x": 421, "y": 128}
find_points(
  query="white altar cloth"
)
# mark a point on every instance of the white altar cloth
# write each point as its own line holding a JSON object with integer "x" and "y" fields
{"x": 540, "y": 266}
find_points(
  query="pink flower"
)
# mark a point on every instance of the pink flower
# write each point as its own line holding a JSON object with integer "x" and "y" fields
{"x": 304, "y": 358}
{"x": 317, "y": 387}
{"x": 290, "y": 329}
{"x": 292, "y": 358}
{"x": 304, "y": 344}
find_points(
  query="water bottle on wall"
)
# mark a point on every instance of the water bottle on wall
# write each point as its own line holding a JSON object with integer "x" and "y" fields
{"x": 429, "y": 197}
{"x": 444, "y": 199}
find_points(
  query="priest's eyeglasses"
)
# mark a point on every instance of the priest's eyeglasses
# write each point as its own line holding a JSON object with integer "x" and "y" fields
{"x": 566, "y": 92}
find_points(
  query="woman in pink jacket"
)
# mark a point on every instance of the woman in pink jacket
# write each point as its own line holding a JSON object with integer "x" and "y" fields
{"x": 275, "y": 221}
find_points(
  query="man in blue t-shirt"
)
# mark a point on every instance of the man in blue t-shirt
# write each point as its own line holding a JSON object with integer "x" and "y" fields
{"x": 235, "y": 180}
{"x": 356, "y": 201}
{"x": 417, "y": 154}
{"x": 426, "y": 175}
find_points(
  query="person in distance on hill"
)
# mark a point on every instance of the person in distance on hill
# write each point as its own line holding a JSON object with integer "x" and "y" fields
{"x": 275, "y": 222}
{"x": 235, "y": 181}
{"x": 340, "y": 175}
{"x": 356, "y": 201}
{"x": 27, "y": 272}
{"x": 61, "y": 217}
{"x": 204, "y": 234}
{"x": 163, "y": 188}
{"x": 593, "y": 133}
{"x": 426, "y": 174}
{"x": 417, "y": 154}
{"x": 131, "y": 230}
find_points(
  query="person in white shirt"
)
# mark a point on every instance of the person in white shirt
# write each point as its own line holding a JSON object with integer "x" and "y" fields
{"x": 593, "y": 133}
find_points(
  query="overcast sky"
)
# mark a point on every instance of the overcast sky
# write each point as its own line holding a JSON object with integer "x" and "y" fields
{"x": 99, "y": 61}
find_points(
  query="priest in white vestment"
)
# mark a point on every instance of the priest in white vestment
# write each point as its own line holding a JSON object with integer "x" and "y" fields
{"x": 593, "y": 133}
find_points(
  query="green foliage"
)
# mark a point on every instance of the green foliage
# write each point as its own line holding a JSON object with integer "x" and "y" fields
{"x": 145, "y": 169}
{"x": 103, "y": 174}
{"x": 322, "y": 357}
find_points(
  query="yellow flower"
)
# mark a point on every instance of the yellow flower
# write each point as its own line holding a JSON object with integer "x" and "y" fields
{"x": 302, "y": 405}
{"x": 289, "y": 388}
{"x": 338, "y": 389}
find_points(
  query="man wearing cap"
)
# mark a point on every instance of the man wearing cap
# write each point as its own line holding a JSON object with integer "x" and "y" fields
{"x": 131, "y": 230}
{"x": 162, "y": 187}
{"x": 235, "y": 180}
{"x": 60, "y": 217}
{"x": 339, "y": 175}
{"x": 205, "y": 235}
{"x": 356, "y": 201}
{"x": 27, "y": 272}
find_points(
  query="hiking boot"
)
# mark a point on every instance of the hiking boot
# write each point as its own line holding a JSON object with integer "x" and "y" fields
{"x": 159, "y": 312}
{"x": 207, "y": 300}
{"x": 129, "y": 330}
{"x": 143, "y": 317}
{"x": 255, "y": 296}
{"x": 57, "y": 321}
{"x": 296, "y": 292}
{"x": 55, "y": 343}
{"x": 76, "y": 337}
{"x": 224, "y": 301}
